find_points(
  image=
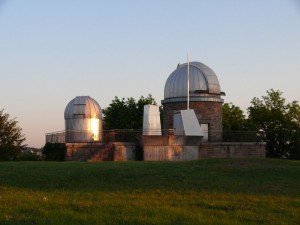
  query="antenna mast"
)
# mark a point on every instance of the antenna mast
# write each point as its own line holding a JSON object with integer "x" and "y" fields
{"x": 188, "y": 81}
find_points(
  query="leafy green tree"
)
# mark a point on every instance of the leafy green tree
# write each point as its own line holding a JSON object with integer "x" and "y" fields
{"x": 277, "y": 122}
{"x": 235, "y": 125}
{"x": 233, "y": 118}
{"x": 293, "y": 116}
{"x": 11, "y": 138}
{"x": 126, "y": 114}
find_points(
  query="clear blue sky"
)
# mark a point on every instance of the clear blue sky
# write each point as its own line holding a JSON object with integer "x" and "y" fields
{"x": 52, "y": 51}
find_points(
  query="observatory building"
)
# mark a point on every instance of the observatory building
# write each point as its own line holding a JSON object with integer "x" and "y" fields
{"x": 204, "y": 98}
{"x": 191, "y": 119}
{"x": 83, "y": 120}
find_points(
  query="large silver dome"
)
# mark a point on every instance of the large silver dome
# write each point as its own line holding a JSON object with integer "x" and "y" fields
{"x": 204, "y": 84}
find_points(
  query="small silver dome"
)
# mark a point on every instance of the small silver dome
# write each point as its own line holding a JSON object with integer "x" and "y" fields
{"x": 83, "y": 107}
{"x": 83, "y": 120}
{"x": 204, "y": 84}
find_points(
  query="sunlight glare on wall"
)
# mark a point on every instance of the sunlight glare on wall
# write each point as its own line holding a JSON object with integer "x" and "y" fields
{"x": 95, "y": 128}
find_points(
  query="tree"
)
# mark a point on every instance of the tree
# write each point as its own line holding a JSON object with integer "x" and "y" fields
{"x": 235, "y": 125}
{"x": 277, "y": 122}
{"x": 233, "y": 118}
{"x": 126, "y": 114}
{"x": 293, "y": 115}
{"x": 11, "y": 138}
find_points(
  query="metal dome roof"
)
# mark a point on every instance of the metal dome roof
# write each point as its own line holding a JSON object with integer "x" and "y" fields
{"x": 83, "y": 107}
{"x": 203, "y": 83}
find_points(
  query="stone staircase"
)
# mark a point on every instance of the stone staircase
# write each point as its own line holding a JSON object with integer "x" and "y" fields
{"x": 105, "y": 153}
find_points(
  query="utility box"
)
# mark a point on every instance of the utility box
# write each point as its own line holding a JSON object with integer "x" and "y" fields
{"x": 186, "y": 123}
{"x": 151, "y": 120}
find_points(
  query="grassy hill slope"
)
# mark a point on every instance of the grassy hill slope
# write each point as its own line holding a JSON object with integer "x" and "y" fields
{"x": 216, "y": 191}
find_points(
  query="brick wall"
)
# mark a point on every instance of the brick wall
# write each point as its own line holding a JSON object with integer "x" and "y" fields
{"x": 207, "y": 113}
{"x": 81, "y": 151}
{"x": 124, "y": 151}
{"x": 204, "y": 151}
{"x": 114, "y": 151}
{"x": 170, "y": 153}
{"x": 232, "y": 150}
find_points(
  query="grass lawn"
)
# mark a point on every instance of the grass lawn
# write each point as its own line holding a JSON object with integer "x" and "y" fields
{"x": 215, "y": 191}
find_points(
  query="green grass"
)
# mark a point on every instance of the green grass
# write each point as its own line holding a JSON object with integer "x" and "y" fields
{"x": 217, "y": 191}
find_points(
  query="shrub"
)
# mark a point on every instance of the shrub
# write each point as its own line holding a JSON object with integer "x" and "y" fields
{"x": 54, "y": 151}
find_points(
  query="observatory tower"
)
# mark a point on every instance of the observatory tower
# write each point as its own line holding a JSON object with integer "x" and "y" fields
{"x": 204, "y": 98}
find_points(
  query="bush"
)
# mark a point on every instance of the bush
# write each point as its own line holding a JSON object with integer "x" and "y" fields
{"x": 54, "y": 151}
{"x": 29, "y": 156}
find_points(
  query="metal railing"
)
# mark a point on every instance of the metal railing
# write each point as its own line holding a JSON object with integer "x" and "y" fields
{"x": 56, "y": 137}
{"x": 122, "y": 135}
{"x": 241, "y": 136}
{"x": 130, "y": 135}
{"x": 89, "y": 137}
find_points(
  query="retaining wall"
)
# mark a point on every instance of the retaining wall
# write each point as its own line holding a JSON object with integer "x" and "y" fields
{"x": 178, "y": 148}
{"x": 115, "y": 151}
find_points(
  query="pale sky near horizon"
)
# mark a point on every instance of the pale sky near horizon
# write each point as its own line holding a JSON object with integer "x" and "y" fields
{"x": 52, "y": 51}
